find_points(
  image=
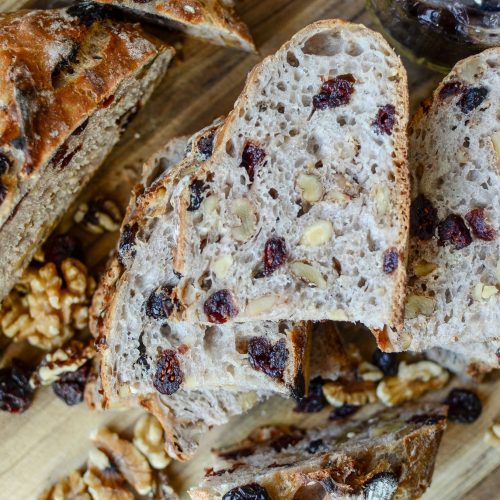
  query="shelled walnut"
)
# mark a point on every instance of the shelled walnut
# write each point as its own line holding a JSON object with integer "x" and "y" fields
{"x": 48, "y": 304}
{"x": 492, "y": 436}
{"x": 340, "y": 392}
{"x": 98, "y": 216}
{"x": 149, "y": 440}
{"x": 71, "y": 487}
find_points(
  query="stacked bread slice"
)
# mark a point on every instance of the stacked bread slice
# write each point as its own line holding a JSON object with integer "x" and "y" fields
{"x": 70, "y": 85}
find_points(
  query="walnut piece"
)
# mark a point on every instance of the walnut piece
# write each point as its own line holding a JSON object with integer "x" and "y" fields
{"x": 340, "y": 392}
{"x": 317, "y": 234}
{"x": 411, "y": 382}
{"x": 47, "y": 307}
{"x": 245, "y": 212}
{"x": 484, "y": 292}
{"x": 369, "y": 372}
{"x": 71, "y": 487}
{"x": 98, "y": 216}
{"x": 67, "y": 359}
{"x": 492, "y": 436}
{"x": 149, "y": 440}
{"x": 262, "y": 304}
{"x": 127, "y": 459}
{"x": 419, "y": 304}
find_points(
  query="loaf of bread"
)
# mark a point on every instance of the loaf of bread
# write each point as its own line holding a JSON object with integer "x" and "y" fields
{"x": 390, "y": 455}
{"x": 212, "y": 20}
{"x": 70, "y": 85}
{"x": 454, "y": 268}
{"x": 305, "y": 201}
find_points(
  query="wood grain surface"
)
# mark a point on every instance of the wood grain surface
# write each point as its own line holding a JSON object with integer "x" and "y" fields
{"x": 51, "y": 439}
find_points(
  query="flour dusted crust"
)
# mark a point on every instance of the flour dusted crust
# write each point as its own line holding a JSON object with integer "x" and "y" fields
{"x": 213, "y": 20}
{"x": 62, "y": 76}
{"x": 390, "y": 455}
{"x": 455, "y": 164}
{"x": 275, "y": 112}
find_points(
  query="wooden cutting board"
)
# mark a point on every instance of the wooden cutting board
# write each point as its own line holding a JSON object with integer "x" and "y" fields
{"x": 51, "y": 439}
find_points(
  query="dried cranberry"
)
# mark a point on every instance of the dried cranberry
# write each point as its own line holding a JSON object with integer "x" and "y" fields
{"x": 391, "y": 258}
{"x": 423, "y": 218}
{"x": 314, "y": 446}
{"x": 387, "y": 361}
{"x": 381, "y": 486}
{"x": 160, "y": 304}
{"x": 275, "y": 255}
{"x": 71, "y": 385}
{"x": 477, "y": 221}
{"x": 426, "y": 419}
{"x": 196, "y": 195}
{"x": 335, "y": 92}
{"x": 268, "y": 358}
{"x": 315, "y": 400}
{"x": 220, "y": 307}
{"x": 385, "y": 120}
{"x": 252, "y": 491}
{"x": 343, "y": 411}
{"x": 16, "y": 393}
{"x": 61, "y": 247}
{"x": 251, "y": 157}
{"x": 286, "y": 440}
{"x": 463, "y": 406}
{"x": 206, "y": 144}
{"x": 4, "y": 163}
{"x": 451, "y": 88}
{"x": 127, "y": 240}
{"x": 3, "y": 192}
{"x": 472, "y": 98}
{"x": 88, "y": 13}
{"x": 169, "y": 376}
{"x": 453, "y": 230}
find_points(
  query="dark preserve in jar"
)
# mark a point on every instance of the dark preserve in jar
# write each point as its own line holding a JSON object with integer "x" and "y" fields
{"x": 438, "y": 33}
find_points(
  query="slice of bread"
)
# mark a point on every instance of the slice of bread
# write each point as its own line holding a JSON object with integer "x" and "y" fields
{"x": 212, "y": 20}
{"x": 454, "y": 268}
{"x": 309, "y": 191}
{"x": 390, "y": 455}
{"x": 71, "y": 85}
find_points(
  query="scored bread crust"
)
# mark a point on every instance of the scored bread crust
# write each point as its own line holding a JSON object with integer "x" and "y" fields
{"x": 390, "y": 454}
{"x": 212, "y": 20}
{"x": 401, "y": 194}
{"x": 70, "y": 72}
{"x": 441, "y": 135}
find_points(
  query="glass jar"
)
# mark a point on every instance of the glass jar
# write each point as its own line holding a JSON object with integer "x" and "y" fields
{"x": 438, "y": 33}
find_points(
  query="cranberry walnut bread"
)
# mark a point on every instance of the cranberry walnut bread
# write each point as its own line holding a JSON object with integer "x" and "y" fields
{"x": 212, "y": 20}
{"x": 309, "y": 188}
{"x": 454, "y": 269}
{"x": 67, "y": 96}
{"x": 390, "y": 455}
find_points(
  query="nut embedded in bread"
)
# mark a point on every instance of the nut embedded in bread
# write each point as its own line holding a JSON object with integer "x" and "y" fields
{"x": 69, "y": 87}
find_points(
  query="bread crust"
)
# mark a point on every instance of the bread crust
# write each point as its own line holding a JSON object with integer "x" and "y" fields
{"x": 400, "y": 160}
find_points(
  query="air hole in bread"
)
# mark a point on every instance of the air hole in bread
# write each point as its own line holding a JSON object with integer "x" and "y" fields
{"x": 324, "y": 44}
{"x": 292, "y": 60}
{"x": 341, "y": 120}
{"x": 354, "y": 49}
{"x": 230, "y": 150}
{"x": 281, "y": 86}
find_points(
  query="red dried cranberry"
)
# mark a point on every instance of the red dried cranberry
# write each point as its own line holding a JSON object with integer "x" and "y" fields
{"x": 477, "y": 221}
{"x": 472, "y": 98}
{"x": 4, "y": 163}
{"x": 252, "y": 491}
{"x": 61, "y": 247}
{"x": 314, "y": 446}
{"x": 315, "y": 400}
{"x": 251, "y": 157}
{"x": 463, "y": 406}
{"x": 206, "y": 144}
{"x": 275, "y": 255}
{"x": 451, "y": 88}
{"x": 391, "y": 258}
{"x": 196, "y": 195}
{"x": 335, "y": 92}
{"x": 160, "y": 304}
{"x": 286, "y": 440}
{"x": 387, "y": 361}
{"x": 3, "y": 192}
{"x": 220, "y": 307}
{"x": 169, "y": 376}
{"x": 71, "y": 385}
{"x": 16, "y": 393}
{"x": 268, "y": 358}
{"x": 343, "y": 411}
{"x": 453, "y": 230}
{"x": 426, "y": 419}
{"x": 127, "y": 240}
{"x": 381, "y": 486}
{"x": 385, "y": 120}
{"x": 423, "y": 218}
